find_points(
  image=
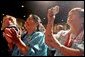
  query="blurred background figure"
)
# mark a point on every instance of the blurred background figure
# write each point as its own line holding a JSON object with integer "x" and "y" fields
{"x": 59, "y": 28}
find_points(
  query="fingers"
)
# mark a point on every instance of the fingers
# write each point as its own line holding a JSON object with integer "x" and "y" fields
{"x": 7, "y": 31}
{"x": 14, "y": 33}
{"x": 7, "y": 36}
{"x": 55, "y": 10}
{"x": 50, "y": 13}
{"x": 51, "y": 16}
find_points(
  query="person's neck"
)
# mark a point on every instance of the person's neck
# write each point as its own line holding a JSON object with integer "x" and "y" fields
{"x": 76, "y": 30}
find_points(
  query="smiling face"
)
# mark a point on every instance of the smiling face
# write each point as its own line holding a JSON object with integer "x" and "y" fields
{"x": 30, "y": 24}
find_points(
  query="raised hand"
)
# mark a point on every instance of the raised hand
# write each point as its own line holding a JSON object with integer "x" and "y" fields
{"x": 51, "y": 13}
{"x": 55, "y": 10}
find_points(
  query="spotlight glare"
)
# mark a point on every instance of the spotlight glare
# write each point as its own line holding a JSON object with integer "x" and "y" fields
{"x": 43, "y": 18}
{"x": 3, "y": 14}
{"x": 22, "y": 6}
{"x": 24, "y": 16}
{"x": 62, "y": 20}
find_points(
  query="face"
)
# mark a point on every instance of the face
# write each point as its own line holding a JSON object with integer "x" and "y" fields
{"x": 30, "y": 24}
{"x": 6, "y": 22}
{"x": 73, "y": 19}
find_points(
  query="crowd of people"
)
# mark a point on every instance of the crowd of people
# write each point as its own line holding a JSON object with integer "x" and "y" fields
{"x": 35, "y": 40}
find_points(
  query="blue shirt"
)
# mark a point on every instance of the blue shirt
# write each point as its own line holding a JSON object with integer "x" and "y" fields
{"x": 37, "y": 45}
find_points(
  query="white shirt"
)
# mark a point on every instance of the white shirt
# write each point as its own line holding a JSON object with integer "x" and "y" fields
{"x": 78, "y": 43}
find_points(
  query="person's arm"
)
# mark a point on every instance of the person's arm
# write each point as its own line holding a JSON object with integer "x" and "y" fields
{"x": 22, "y": 46}
{"x": 49, "y": 29}
{"x": 66, "y": 51}
{"x": 53, "y": 42}
{"x": 17, "y": 40}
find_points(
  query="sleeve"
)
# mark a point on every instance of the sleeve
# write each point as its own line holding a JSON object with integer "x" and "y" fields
{"x": 61, "y": 36}
{"x": 37, "y": 41}
{"x": 81, "y": 47}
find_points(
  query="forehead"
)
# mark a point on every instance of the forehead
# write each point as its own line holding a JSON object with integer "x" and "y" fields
{"x": 5, "y": 19}
{"x": 73, "y": 13}
{"x": 30, "y": 19}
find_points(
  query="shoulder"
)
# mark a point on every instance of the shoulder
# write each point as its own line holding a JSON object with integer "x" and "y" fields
{"x": 39, "y": 34}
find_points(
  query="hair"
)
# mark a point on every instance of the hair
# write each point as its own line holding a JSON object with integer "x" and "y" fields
{"x": 60, "y": 27}
{"x": 11, "y": 18}
{"x": 37, "y": 19}
{"x": 79, "y": 10}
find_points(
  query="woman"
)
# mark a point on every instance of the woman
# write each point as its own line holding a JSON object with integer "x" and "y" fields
{"x": 71, "y": 42}
{"x": 33, "y": 43}
{"x": 8, "y": 23}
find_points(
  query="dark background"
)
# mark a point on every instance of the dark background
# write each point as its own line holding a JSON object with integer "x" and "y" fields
{"x": 14, "y": 8}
